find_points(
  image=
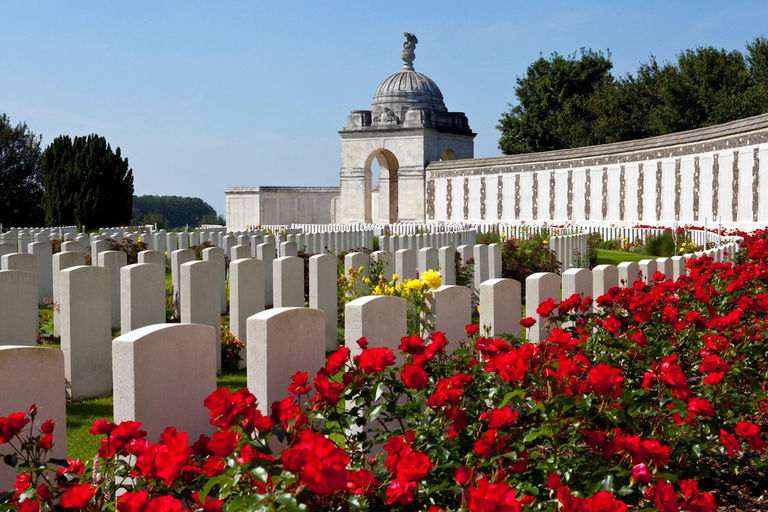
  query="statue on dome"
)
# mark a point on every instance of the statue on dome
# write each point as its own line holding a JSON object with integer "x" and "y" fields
{"x": 410, "y": 41}
{"x": 408, "y": 54}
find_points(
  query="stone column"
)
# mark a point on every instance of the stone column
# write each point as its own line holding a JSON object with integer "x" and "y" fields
{"x": 500, "y": 307}
{"x": 114, "y": 261}
{"x": 200, "y": 304}
{"x": 142, "y": 296}
{"x": 44, "y": 253}
{"x": 323, "y": 295}
{"x": 18, "y": 308}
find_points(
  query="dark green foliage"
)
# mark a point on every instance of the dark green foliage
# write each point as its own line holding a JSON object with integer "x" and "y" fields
{"x": 464, "y": 270}
{"x": 521, "y": 258}
{"x": 659, "y": 245}
{"x": 20, "y": 188}
{"x": 86, "y": 183}
{"x": 173, "y": 211}
{"x": 554, "y": 110}
{"x": 573, "y": 101}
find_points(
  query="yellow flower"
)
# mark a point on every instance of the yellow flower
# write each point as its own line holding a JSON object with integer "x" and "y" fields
{"x": 414, "y": 285}
{"x": 432, "y": 279}
{"x": 395, "y": 277}
{"x": 139, "y": 239}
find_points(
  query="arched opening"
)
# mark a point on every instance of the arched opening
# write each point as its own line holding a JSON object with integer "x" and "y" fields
{"x": 384, "y": 165}
{"x": 448, "y": 154}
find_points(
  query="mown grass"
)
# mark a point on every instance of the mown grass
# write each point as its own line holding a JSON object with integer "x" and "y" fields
{"x": 81, "y": 415}
{"x": 606, "y": 257}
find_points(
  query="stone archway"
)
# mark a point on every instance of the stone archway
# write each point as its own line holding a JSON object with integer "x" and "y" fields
{"x": 388, "y": 187}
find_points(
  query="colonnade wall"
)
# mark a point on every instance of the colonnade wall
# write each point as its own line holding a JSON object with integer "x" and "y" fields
{"x": 718, "y": 173}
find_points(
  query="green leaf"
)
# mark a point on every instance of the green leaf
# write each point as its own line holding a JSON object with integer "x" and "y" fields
{"x": 375, "y": 412}
{"x": 288, "y": 500}
{"x": 378, "y": 392}
{"x": 530, "y": 436}
{"x": 512, "y": 394}
{"x": 696, "y": 449}
{"x": 607, "y": 483}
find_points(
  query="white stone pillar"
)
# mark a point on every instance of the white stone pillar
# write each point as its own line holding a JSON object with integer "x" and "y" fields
{"x": 405, "y": 264}
{"x": 604, "y": 277}
{"x": 288, "y": 282}
{"x": 323, "y": 295}
{"x": 178, "y": 258}
{"x": 86, "y": 330}
{"x": 44, "y": 253}
{"x": 447, "y": 262}
{"x": 114, "y": 261}
{"x": 628, "y": 272}
{"x": 380, "y": 319}
{"x": 246, "y": 296}
{"x": 239, "y": 252}
{"x": 648, "y": 268}
{"x": 480, "y": 252}
{"x": 142, "y": 296}
{"x": 33, "y": 375}
{"x": 283, "y": 341}
{"x": 266, "y": 253}
{"x": 200, "y": 304}
{"x": 18, "y": 308}
{"x": 428, "y": 260}
{"x": 451, "y": 308}
{"x": 162, "y": 375}
{"x": 500, "y": 307}
{"x": 540, "y": 287}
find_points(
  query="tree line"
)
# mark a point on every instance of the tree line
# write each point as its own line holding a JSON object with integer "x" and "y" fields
{"x": 169, "y": 212}
{"x": 80, "y": 181}
{"x": 572, "y": 101}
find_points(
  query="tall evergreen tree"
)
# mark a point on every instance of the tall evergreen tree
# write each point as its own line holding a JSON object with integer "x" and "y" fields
{"x": 20, "y": 188}
{"x": 86, "y": 183}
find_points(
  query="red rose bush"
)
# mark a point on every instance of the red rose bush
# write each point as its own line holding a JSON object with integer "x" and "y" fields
{"x": 636, "y": 402}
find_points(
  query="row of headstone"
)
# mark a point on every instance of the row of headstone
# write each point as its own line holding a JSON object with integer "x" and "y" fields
{"x": 420, "y": 241}
{"x": 571, "y": 250}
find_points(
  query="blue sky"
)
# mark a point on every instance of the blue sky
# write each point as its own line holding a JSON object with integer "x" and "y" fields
{"x": 201, "y": 96}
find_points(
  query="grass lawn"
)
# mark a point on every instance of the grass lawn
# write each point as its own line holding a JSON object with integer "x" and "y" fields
{"x": 81, "y": 415}
{"x": 606, "y": 257}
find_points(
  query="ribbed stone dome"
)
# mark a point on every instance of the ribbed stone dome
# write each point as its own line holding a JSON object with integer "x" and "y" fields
{"x": 404, "y": 90}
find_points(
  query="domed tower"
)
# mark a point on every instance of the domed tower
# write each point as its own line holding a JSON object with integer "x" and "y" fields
{"x": 407, "y": 127}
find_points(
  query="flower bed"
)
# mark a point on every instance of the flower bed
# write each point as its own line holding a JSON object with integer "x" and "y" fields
{"x": 647, "y": 397}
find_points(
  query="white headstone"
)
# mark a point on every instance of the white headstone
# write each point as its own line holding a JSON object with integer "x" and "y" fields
{"x": 33, "y": 375}
{"x": 500, "y": 307}
{"x": 162, "y": 375}
{"x": 323, "y": 295}
{"x": 114, "y": 261}
{"x": 283, "y": 341}
{"x": 86, "y": 332}
{"x": 18, "y": 308}
{"x": 142, "y": 296}
{"x": 200, "y": 302}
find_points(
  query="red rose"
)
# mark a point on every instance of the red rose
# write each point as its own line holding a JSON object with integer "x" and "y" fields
{"x": 746, "y": 429}
{"x": 489, "y": 497}
{"x": 604, "y": 379}
{"x": 362, "y": 343}
{"x": 412, "y": 345}
{"x": 527, "y": 322}
{"x": 337, "y": 360}
{"x": 732, "y": 445}
{"x": 472, "y": 329}
{"x": 164, "y": 504}
{"x": 605, "y": 501}
{"x": 553, "y": 481}
{"x": 641, "y": 474}
{"x": 298, "y": 385}
{"x": 414, "y": 377}
{"x": 665, "y": 497}
{"x": 77, "y": 496}
{"x": 413, "y": 466}
{"x": 501, "y": 417}
{"x": 11, "y": 426}
{"x": 400, "y": 492}
{"x": 376, "y": 359}
{"x": 223, "y": 443}
{"x": 135, "y": 501}
{"x": 329, "y": 391}
{"x": 47, "y": 427}
{"x": 463, "y": 476}
{"x": 546, "y": 307}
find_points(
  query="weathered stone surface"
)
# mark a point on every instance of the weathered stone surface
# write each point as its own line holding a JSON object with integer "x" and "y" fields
{"x": 162, "y": 375}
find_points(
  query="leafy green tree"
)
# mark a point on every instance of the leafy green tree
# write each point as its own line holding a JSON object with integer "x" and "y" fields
{"x": 86, "y": 183}
{"x": 573, "y": 101}
{"x": 554, "y": 109}
{"x": 177, "y": 211}
{"x": 708, "y": 86}
{"x": 20, "y": 187}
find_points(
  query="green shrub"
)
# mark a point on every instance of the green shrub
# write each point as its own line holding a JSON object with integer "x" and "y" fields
{"x": 521, "y": 258}
{"x": 659, "y": 245}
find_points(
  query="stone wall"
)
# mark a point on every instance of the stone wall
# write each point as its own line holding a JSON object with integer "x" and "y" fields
{"x": 718, "y": 172}
{"x": 252, "y": 206}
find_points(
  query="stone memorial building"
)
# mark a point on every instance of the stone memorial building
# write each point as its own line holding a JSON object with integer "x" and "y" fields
{"x": 423, "y": 154}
